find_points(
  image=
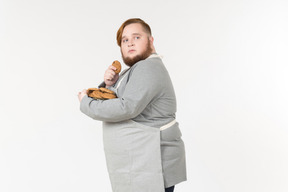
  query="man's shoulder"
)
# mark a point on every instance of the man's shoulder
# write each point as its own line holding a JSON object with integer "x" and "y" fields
{"x": 149, "y": 67}
{"x": 149, "y": 62}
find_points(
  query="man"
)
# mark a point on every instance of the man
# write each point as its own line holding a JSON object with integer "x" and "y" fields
{"x": 142, "y": 141}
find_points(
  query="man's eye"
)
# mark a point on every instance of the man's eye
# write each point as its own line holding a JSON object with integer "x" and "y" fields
{"x": 137, "y": 37}
{"x": 124, "y": 40}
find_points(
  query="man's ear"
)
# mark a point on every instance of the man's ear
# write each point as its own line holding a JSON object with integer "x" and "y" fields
{"x": 151, "y": 39}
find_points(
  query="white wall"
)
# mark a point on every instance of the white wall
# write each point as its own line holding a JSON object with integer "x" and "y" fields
{"x": 228, "y": 62}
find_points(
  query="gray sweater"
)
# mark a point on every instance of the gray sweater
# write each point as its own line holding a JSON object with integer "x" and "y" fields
{"x": 146, "y": 95}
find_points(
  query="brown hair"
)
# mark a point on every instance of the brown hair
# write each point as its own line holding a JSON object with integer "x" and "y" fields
{"x": 145, "y": 26}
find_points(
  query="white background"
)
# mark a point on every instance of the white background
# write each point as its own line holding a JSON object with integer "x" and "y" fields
{"x": 228, "y": 62}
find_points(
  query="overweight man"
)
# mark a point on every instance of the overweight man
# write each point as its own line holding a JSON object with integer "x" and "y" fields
{"x": 142, "y": 140}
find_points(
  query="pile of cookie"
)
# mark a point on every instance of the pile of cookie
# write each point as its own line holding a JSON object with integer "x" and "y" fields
{"x": 103, "y": 93}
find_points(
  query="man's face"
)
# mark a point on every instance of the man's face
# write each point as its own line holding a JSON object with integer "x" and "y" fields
{"x": 135, "y": 44}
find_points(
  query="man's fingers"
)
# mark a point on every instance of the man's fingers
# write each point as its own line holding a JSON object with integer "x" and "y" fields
{"x": 111, "y": 72}
{"x": 112, "y": 67}
{"x": 110, "y": 76}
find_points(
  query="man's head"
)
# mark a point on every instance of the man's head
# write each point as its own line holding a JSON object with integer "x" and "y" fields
{"x": 135, "y": 40}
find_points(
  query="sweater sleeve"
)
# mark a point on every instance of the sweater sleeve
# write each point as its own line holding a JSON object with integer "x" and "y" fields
{"x": 143, "y": 86}
{"x": 102, "y": 85}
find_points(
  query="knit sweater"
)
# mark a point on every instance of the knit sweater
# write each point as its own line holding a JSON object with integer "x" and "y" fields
{"x": 146, "y": 95}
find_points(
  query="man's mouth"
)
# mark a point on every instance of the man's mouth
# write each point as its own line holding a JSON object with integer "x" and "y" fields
{"x": 131, "y": 51}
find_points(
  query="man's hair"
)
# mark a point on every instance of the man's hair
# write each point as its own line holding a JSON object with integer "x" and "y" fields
{"x": 145, "y": 26}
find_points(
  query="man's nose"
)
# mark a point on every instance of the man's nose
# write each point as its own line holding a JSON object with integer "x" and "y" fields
{"x": 130, "y": 43}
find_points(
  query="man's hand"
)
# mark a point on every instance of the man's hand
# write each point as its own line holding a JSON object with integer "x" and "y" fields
{"x": 82, "y": 94}
{"x": 110, "y": 77}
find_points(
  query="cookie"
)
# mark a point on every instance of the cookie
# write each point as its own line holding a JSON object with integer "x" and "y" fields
{"x": 101, "y": 93}
{"x": 117, "y": 64}
{"x": 96, "y": 94}
{"x": 104, "y": 90}
{"x": 108, "y": 95}
{"x": 90, "y": 90}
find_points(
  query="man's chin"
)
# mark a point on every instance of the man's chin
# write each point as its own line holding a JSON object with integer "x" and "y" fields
{"x": 131, "y": 57}
{"x": 131, "y": 60}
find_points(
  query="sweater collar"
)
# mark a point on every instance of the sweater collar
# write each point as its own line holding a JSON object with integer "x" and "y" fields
{"x": 153, "y": 55}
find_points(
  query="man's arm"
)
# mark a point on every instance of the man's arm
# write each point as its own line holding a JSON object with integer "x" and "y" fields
{"x": 144, "y": 85}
